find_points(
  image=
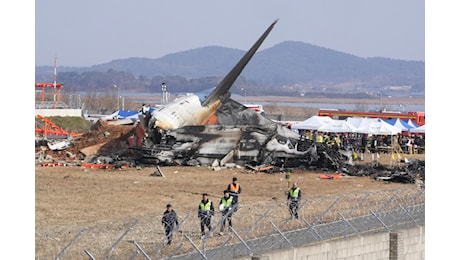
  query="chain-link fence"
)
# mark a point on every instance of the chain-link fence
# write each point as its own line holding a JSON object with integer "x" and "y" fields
{"x": 257, "y": 228}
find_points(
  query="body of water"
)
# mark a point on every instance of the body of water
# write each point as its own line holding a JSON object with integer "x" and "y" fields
{"x": 370, "y": 107}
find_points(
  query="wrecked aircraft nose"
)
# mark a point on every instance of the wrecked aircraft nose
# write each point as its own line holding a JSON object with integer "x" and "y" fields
{"x": 162, "y": 124}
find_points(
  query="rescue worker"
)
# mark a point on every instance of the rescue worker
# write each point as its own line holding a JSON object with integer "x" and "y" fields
{"x": 169, "y": 220}
{"x": 319, "y": 137}
{"x": 146, "y": 110}
{"x": 235, "y": 189}
{"x": 293, "y": 199}
{"x": 205, "y": 213}
{"x": 226, "y": 205}
{"x": 143, "y": 109}
{"x": 308, "y": 134}
{"x": 337, "y": 142}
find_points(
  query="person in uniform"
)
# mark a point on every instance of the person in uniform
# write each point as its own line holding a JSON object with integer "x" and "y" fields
{"x": 205, "y": 213}
{"x": 293, "y": 198}
{"x": 169, "y": 220}
{"x": 235, "y": 189}
{"x": 226, "y": 205}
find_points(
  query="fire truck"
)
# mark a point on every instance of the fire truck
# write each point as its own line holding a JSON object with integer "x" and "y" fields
{"x": 416, "y": 117}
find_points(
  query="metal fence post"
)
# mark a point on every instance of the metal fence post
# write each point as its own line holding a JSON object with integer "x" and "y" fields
{"x": 119, "y": 239}
{"x": 142, "y": 251}
{"x": 281, "y": 233}
{"x": 70, "y": 243}
{"x": 196, "y": 247}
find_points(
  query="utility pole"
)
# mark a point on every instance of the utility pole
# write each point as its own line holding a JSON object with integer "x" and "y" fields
{"x": 163, "y": 93}
{"x": 118, "y": 96}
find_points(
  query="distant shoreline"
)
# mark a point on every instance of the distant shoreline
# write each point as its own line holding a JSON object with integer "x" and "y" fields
{"x": 395, "y": 101}
{"x": 386, "y": 100}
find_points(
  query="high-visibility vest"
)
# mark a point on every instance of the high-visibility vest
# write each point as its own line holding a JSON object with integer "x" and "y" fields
{"x": 227, "y": 202}
{"x": 319, "y": 138}
{"x": 206, "y": 206}
{"x": 234, "y": 188}
{"x": 294, "y": 193}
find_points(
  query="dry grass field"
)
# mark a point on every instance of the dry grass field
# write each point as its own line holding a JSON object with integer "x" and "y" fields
{"x": 68, "y": 198}
{"x": 73, "y": 196}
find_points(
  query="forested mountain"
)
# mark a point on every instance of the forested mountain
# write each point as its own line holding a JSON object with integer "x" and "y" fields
{"x": 302, "y": 67}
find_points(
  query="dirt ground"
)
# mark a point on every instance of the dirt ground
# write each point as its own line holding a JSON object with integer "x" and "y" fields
{"x": 74, "y": 196}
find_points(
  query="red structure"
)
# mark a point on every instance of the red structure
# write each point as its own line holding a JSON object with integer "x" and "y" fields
{"x": 416, "y": 117}
{"x": 56, "y": 91}
{"x": 45, "y": 127}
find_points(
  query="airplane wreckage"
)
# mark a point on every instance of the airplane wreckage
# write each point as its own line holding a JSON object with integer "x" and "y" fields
{"x": 212, "y": 129}
{"x": 215, "y": 129}
{"x": 199, "y": 130}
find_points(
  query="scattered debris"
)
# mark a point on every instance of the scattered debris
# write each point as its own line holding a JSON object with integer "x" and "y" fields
{"x": 330, "y": 177}
{"x": 158, "y": 172}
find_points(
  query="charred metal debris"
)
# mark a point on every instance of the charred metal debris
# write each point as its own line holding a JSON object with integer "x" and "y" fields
{"x": 242, "y": 137}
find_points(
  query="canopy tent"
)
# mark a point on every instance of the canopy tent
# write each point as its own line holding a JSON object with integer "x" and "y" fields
{"x": 358, "y": 122}
{"x": 420, "y": 129}
{"x": 312, "y": 123}
{"x": 399, "y": 124}
{"x": 411, "y": 123}
{"x": 378, "y": 128}
{"x": 337, "y": 126}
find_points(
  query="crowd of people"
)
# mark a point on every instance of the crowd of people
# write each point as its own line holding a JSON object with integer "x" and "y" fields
{"x": 228, "y": 205}
{"x": 368, "y": 143}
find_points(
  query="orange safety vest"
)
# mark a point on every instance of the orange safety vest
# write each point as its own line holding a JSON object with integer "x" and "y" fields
{"x": 234, "y": 188}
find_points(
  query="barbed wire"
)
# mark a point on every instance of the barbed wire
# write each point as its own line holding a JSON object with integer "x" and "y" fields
{"x": 259, "y": 227}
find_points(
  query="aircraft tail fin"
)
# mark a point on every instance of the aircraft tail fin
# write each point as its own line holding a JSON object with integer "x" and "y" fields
{"x": 228, "y": 81}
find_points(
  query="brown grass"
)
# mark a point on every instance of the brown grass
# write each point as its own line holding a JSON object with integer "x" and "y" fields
{"x": 68, "y": 196}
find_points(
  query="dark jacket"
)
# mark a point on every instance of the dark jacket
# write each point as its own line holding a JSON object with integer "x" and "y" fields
{"x": 169, "y": 219}
{"x": 291, "y": 198}
{"x": 202, "y": 213}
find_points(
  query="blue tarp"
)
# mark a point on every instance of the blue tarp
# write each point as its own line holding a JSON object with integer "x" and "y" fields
{"x": 127, "y": 113}
{"x": 130, "y": 113}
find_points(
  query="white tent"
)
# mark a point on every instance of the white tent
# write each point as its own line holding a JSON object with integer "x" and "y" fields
{"x": 411, "y": 123}
{"x": 312, "y": 123}
{"x": 399, "y": 124}
{"x": 378, "y": 128}
{"x": 358, "y": 122}
{"x": 337, "y": 126}
{"x": 374, "y": 126}
{"x": 420, "y": 129}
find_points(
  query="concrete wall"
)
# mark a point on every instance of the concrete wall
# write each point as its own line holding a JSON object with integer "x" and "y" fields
{"x": 406, "y": 244}
{"x": 58, "y": 112}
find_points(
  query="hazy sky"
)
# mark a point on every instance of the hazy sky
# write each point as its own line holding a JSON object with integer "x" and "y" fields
{"x": 88, "y": 32}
